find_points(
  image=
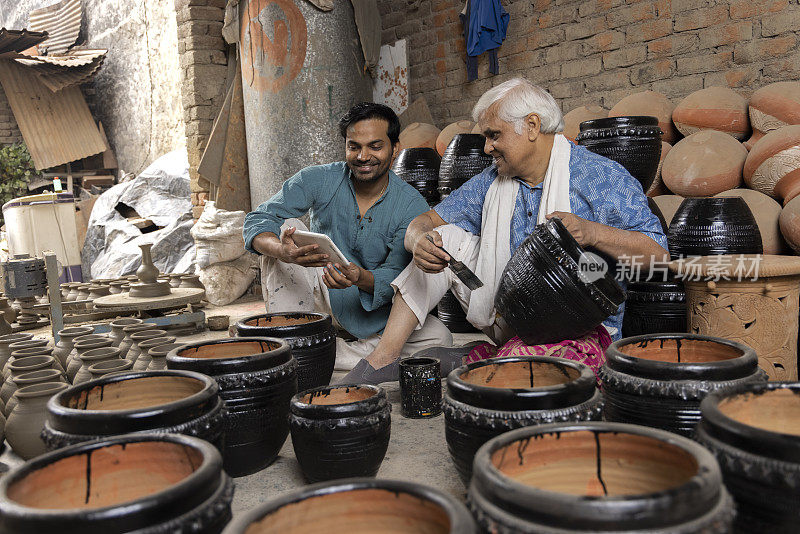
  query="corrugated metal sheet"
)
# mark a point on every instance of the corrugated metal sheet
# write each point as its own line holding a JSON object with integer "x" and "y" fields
{"x": 57, "y": 127}
{"x": 14, "y": 41}
{"x": 62, "y": 21}
{"x": 58, "y": 72}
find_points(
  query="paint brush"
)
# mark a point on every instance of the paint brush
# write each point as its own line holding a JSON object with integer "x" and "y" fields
{"x": 461, "y": 271}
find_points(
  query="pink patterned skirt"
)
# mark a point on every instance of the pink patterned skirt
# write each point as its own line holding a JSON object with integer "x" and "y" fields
{"x": 589, "y": 349}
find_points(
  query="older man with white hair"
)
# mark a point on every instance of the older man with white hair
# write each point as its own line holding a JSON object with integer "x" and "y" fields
{"x": 537, "y": 174}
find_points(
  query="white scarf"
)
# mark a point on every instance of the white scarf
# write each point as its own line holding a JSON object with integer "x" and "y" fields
{"x": 498, "y": 208}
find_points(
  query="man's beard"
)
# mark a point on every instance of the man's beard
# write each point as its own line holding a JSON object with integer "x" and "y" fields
{"x": 379, "y": 172}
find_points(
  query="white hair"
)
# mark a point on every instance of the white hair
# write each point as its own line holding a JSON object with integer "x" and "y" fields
{"x": 517, "y": 99}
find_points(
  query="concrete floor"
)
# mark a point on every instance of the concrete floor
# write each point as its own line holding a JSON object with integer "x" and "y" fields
{"x": 417, "y": 448}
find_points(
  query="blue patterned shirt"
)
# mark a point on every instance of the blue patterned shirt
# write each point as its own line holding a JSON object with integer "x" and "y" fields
{"x": 600, "y": 190}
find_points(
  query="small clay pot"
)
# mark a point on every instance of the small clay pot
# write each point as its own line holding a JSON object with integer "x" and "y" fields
{"x": 144, "y": 360}
{"x": 754, "y": 431}
{"x": 130, "y": 483}
{"x": 97, "y": 291}
{"x": 72, "y": 358}
{"x": 90, "y": 357}
{"x": 66, "y": 342}
{"x": 598, "y": 477}
{"x": 41, "y": 344}
{"x": 159, "y": 402}
{"x": 8, "y": 339}
{"x": 117, "y": 335}
{"x": 420, "y": 168}
{"x": 394, "y": 506}
{"x": 340, "y": 431}
{"x": 158, "y": 356}
{"x": 310, "y": 336}
{"x": 420, "y": 387}
{"x": 574, "y": 118}
{"x": 138, "y": 337}
{"x": 659, "y": 380}
{"x": 719, "y": 225}
{"x": 714, "y": 108}
{"x": 772, "y": 107}
{"x": 191, "y": 280}
{"x": 175, "y": 279}
{"x": 25, "y": 422}
{"x": 125, "y": 344}
{"x": 489, "y": 397}
{"x": 704, "y": 164}
{"x": 463, "y": 159}
{"x": 257, "y": 377}
{"x": 81, "y": 347}
{"x": 654, "y": 307}
{"x": 109, "y": 366}
{"x": 771, "y": 166}
{"x": 31, "y": 378}
{"x": 22, "y": 366}
{"x": 147, "y": 273}
{"x": 115, "y": 287}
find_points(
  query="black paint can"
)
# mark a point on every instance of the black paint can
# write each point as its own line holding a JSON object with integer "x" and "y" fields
{"x": 420, "y": 387}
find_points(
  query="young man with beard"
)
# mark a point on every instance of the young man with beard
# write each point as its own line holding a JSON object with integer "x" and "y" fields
{"x": 365, "y": 209}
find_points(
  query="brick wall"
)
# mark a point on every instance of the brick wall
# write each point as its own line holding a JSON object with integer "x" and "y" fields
{"x": 598, "y": 51}
{"x": 203, "y": 61}
{"x": 9, "y": 131}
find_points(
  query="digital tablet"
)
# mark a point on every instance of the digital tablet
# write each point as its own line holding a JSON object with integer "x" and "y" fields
{"x": 326, "y": 245}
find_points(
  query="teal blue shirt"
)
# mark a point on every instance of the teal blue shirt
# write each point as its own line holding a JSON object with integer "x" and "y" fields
{"x": 374, "y": 242}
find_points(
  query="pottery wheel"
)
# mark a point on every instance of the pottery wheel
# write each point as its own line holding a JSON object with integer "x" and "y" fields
{"x": 178, "y": 297}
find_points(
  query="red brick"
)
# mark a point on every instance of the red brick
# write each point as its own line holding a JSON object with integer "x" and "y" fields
{"x": 647, "y": 31}
{"x": 745, "y": 9}
{"x": 700, "y": 18}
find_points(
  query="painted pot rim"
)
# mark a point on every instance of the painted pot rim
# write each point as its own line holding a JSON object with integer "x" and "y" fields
{"x": 461, "y": 521}
{"x": 759, "y": 441}
{"x": 167, "y": 503}
{"x": 300, "y": 329}
{"x": 540, "y": 398}
{"x": 91, "y": 422}
{"x": 218, "y": 366}
{"x": 337, "y": 411}
{"x": 730, "y": 369}
{"x": 704, "y": 486}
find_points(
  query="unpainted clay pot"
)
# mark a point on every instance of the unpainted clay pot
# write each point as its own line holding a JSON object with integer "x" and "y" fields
{"x": 767, "y": 211}
{"x": 89, "y": 358}
{"x": 158, "y": 356}
{"x": 106, "y": 367}
{"x": 649, "y": 103}
{"x": 773, "y": 165}
{"x": 7, "y": 340}
{"x": 125, "y": 344}
{"x": 658, "y": 188}
{"x": 773, "y": 106}
{"x": 29, "y": 347}
{"x": 23, "y": 366}
{"x": 789, "y": 222}
{"x": 714, "y": 108}
{"x": 7, "y": 310}
{"x": 26, "y": 421}
{"x": 29, "y": 379}
{"x": 704, "y": 164}
{"x": 419, "y": 135}
{"x": 82, "y": 347}
{"x": 138, "y": 337}
{"x": 73, "y": 356}
{"x": 144, "y": 360}
{"x": 66, "y": 342}
{"x": 117, "y": 335}
{"x": 573, "y": 119}
{"x": 450, "y": 131}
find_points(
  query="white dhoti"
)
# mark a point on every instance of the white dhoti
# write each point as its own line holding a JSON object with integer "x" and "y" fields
{"x": 289, "y": 287}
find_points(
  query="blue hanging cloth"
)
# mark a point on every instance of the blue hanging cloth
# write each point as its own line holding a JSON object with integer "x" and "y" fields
{"x": 485, "y": 23}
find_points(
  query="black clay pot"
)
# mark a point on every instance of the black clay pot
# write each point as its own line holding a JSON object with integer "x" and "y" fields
{"x": 659, "y": 380}
{"x": 489, "y": 397}
{"x": 130, "y": 483}
{"x": 158, "y": 402}
{"x": 420, "y": 387}
{"x": 654, "y": 307}
{"x": 358, "y": 506}
{"x": 462, "y": 159}
{"x": 420, "y": 168}
{"x": 450, "y": 312}
{"x": 340, "y": 431}
{"x": 550, "y": 291}
{"x": 257, "y": 378}
{"x": 707, "y": 226}
{"x": 754, "y": 431}
{"x": 311, "y": 337}
{"x": 598, "y": 477}
{"x": 634, "y": 142}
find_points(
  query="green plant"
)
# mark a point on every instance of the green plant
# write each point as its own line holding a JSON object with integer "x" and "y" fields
{"x": 16, "y": 171}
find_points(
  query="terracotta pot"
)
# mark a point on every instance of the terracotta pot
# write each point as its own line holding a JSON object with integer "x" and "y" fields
{"x": 420, "y": 168}
{"x": 73, "y": 361}
{"x": 598, "y": 477}
{"x": 22, "y": 366}
{"x": 773, "y": 165}
{"x": 574, "y": 118}
{"x": 90, "y": 357}
{"x": 138, "y": 337}
{"x": 704, "y": 164}
{"x": 753, "y": 431}
{"x": 109, "y": 366}
{"x": 632, "y": 141}
{"x": 117, "y": 335}
{"x": 649, "y": 103}
{"x": 719, "y": 225}
{"x": 544, "y": 269}
{"x": 310, "y": 336}
{"x": 394, "y": 507}
{"x": 158, "y": 356}
{"x": 450, "y": 312}
{"x": 257, "y": 378}
{"x": 463, "y": 159}
{"x": 767, "y": 213}
{"x": 658, "y": 188}
{"x": 130, "y": 483}
{"x": 66, "y": 342}
{"x": 489, "y": 397}
{"x": 419, "y": 135}
{"x": 81, "y": 347}
{"x": 659, "y": 380}
{"x": 449, "y": 132}
{"x": 160, "y": 402}
{"x": 25, "y": 422}
{"x": 5, "y": 351}
{"x": 654, "y": 307}
{"x": 144, "y": 360}
{"x": 714, "y": 108}
{"x": 340, "y": 431}
{"x": 29, "y": 379}
{"x": 774, "y": 106}
{"x": 125, "y": 344}
{"x": 789, "y": 222}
